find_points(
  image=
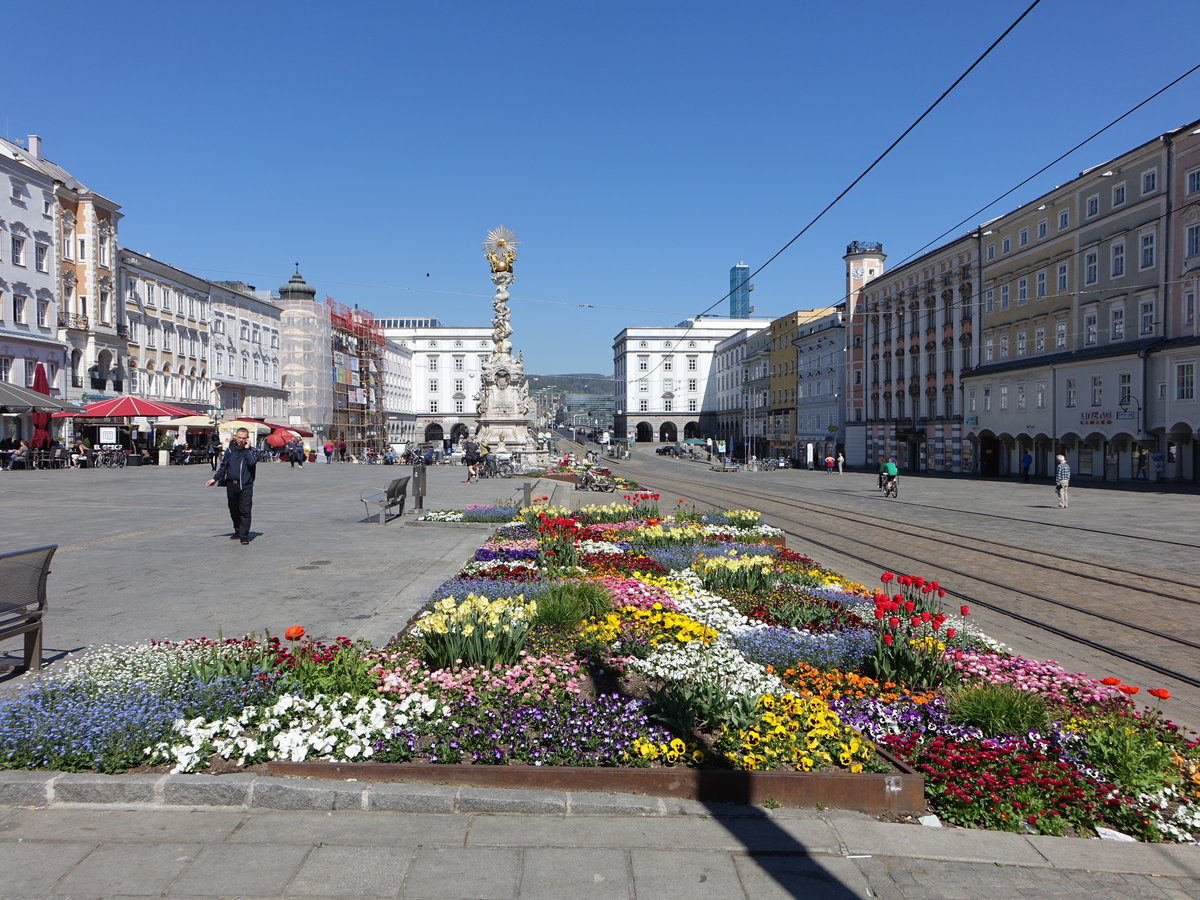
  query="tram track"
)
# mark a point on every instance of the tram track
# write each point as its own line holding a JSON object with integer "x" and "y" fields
{"x": 1140, "y": 645}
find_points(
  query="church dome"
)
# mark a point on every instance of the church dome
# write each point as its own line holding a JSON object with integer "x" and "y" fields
{"x": 297, "y": 288}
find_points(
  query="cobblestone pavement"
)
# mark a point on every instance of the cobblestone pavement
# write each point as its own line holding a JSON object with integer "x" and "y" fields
{"x": 143, "y": 553}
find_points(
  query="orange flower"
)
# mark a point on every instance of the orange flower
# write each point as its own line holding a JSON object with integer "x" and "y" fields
{"x": 294, "y": 633}
{"x": 1160, "y": 693}
{"x": 1110, "y": 681}
{"x": 1128, "y": 689}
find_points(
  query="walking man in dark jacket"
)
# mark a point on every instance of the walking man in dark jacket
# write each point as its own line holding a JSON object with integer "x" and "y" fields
{"x": 236, "y": 472}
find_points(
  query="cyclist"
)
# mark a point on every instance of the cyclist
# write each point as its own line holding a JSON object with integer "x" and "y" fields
{"x": 890, "y": 473}
{"x": 882, "y": 471}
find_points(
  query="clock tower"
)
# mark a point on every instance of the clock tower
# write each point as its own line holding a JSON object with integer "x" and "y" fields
{"x": 864, "y": 262}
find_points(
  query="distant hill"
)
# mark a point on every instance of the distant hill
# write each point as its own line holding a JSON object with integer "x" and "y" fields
{"x": 584, "y": 383}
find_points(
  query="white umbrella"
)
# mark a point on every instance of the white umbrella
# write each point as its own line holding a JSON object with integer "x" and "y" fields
{"x": 185, "y": 422}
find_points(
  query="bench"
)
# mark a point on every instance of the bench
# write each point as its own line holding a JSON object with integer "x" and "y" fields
{"x": 23, "y": 598}
{"x": 391, "y": 497}
{"x": 721, "y": 468}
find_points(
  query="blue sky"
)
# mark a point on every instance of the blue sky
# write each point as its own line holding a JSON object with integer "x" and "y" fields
{"x": 639, "y": 149}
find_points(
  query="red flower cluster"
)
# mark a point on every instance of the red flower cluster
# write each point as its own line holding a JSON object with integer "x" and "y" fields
{"x": 557, "y": 526}
{"x": 887, "y": 607}
{"x": 913, "y": 584}
{"x": 612, "y": 564}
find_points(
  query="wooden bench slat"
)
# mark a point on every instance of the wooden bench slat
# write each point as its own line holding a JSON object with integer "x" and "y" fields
{"x": 23, "y": 575}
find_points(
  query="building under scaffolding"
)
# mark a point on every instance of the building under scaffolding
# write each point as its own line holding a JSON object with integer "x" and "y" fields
{"x": 359, "y": 416}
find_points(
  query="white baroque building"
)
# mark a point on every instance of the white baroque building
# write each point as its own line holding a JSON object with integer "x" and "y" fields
{"x": 398, "y": 393}
{"x": 661, "y": 376}
{"x": 446, "y": 364}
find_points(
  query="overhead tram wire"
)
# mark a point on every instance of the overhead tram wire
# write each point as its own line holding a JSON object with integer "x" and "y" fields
{"x": 892, "y": 146}
{"x": 1054, "y": 162}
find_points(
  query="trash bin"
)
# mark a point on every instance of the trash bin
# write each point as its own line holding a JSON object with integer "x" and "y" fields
{"x": 164, "y": 457}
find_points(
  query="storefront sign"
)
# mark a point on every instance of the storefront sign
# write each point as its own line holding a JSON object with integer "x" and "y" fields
{"x": 1096, "y": 418}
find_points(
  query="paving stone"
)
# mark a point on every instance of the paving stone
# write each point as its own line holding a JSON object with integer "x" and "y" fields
{"x": 499, "y": 800}
{"x": 107, "y": 870}
{"x": 89, "y": 787}
{"x": 207, "y": 790}
{"x": 229, "y": 869}
{"x": 685, "y": 874}
{"x": 353, "y": 828}
{"x": 416, "y": 798}
{"x": 82, "y": 823}
{"x": 31, "y": 867}
{"x": 765, "y": 876}
{"x": 484, "y": 874}
{"x": 582, "y": 874}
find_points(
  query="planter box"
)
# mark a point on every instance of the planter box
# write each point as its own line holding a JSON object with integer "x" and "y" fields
{"x": 901, "y": 792}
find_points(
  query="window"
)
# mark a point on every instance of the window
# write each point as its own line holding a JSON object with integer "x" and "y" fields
{"x": 989, "y": 301}
{"x": 1092, "y": 206}
{"x": 691, "y": 384}
{"x": 19, "y": 309}
{"x": 1146, "y": 317}
{"x": 987, "y": 399}
{"x": 18, "y": 251}
{"x": 1023, "y": 237}
{"x": 1060, "y": 335}
{"x": 1004, "y": 296}
{"x": 43, "y": 309}
{"x": 1040, "y": 286}
{"x": 1006, "y": 245}
{"x": 1193, "y": 181}
{"x": 1091, "y": 267}
{"x": 433, "y": 363}
{"x": 1193, "y": 240}
{"x": 1097, "y": 390}
{"x": 1004, "y": 346}
{"x": 643, "y": 386}
{"x": 1150, "y": 181}
{"x": 1090, "y": 328}
{"x": 1189, "y": 307}
{"x": 991, "y": 251}
{"x": 30, "y": 371}
{"x": 102, "y": 247}
{"x": 1072, "y": 393}
{"x": 971, "y": 400}
{"x": 1116, "y": 323}
{"x": 1021, "y": 343}
{"x": 458, "y": 406}
{"x": 1118, "y": 194}
{"x": 1124, "y": 388}
{"x": 459, "y": 362}
{"x": 691, "y": 364}
{"x": 987, "y": 349}
{"x": 1146, "y": 259}
{"x": 1039, "y": 395}
{"x": 458, "y": 385}
{"x": 150, "y": 301}
{"x": 1062, "y": 282}
{"x": 220, "y": 362}
{"x": 433, "y": 406}
{"x": 691, "y": 406}
{"x": 68, "y": 242}
{"x": 1004, "y": 398}
{"x": 643, "y": 363}
{"x": 1064, "y": 219}
{"x": 433, "y": 385}
{"x": 1022, "y": 290}
{"x": 1185, "y": 381}
{"x": 1039, "y": 339}
{"x": 668, "y": 363}
{"x": 40, "y": 257}
{"x": 245, "y": 360}
{"x": 82, "y": 249}
{"x": 1043, "y": 228}
{"x": 643, "y": 405}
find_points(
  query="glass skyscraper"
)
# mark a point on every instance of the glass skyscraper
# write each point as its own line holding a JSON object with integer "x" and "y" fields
{"x": 739, "y": 291}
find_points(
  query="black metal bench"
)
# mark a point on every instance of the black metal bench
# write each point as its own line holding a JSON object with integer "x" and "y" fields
{"x": 23, "y": 598}
{"x": 391, "y": 497}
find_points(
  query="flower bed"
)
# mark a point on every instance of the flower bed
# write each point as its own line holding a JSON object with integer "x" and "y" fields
{"x": 614, "y": 648}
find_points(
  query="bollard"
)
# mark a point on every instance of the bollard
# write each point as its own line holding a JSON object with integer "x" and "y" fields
{"x": 527, "y": 495}
{"x": 419, "y": 486}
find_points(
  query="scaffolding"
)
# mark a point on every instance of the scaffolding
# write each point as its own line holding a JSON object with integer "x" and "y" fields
{"x": 357, "y": 341}
{"x": 304, "y": 346}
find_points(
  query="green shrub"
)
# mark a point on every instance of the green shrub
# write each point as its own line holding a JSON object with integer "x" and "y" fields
{"x": 564, "y": 606}
{"x": 997, "y": 709}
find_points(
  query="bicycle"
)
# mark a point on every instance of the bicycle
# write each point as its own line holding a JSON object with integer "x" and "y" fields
{"x": 110, "y": 458}
{"x": 891, "y": 487}
{"x": 490, "y": 467}
{"x": 769, "y": 465}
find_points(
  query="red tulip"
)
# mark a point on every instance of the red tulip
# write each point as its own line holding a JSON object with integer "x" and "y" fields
{"x": 950, "y": 632}
{"x": 294, "y": 633}
{"x": 926, "y": 616}
{"x": 887, "y": 639}
{"x": 893, "y": 622}
{"x": 887, "y": 576}
{"x": 964, "y": 610}
{"x": 879, "y": 613}
{"x": 909, "y": 606}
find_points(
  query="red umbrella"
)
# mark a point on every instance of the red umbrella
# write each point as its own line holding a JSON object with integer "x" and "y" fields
{"x": 294, "y": 428}
{"x": 41, "y": 437}
{"x": 279, "y": 438}
{"x": 124, "y": 407}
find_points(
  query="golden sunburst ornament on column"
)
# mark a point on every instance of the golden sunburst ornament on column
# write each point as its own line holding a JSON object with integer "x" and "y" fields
{"x": 500, "y": 248}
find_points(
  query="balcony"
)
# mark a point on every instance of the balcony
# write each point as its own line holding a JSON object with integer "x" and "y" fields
{"x": 70, "y": 320}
